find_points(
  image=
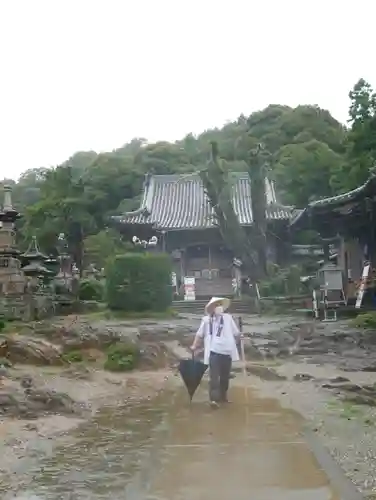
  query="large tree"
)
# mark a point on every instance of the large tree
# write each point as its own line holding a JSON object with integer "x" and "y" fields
{"x": 360, "y": 142}
{"x": 303, "y": 171}
{"x": 79, "y": 205}
{"x": 311, "y": 156}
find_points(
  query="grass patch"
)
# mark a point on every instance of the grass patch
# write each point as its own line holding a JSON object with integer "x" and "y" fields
{"x": 365, "y": 321}
{"x": 122, "y": 357}
{"x": 74, "y": 356}
{"x": 13, "y": 326}
{"x": 350, "y": 411}
{"x": 346, "y": 410}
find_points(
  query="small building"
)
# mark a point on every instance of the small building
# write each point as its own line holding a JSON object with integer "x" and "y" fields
{"x": 350, "y": 218}
{"x": 176, "y": 210}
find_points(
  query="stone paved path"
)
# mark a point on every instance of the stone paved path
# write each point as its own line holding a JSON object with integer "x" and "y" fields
{"x": 169, "y": 449}
{"x": 251, "y": 449}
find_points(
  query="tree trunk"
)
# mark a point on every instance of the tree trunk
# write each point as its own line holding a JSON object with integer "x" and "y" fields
{"x": 219, "y": 191}
{"x": 257, "y": 173}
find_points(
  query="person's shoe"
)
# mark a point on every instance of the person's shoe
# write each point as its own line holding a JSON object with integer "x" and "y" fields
{"x": 224, "y": 399}
{"x": 214, "y": 404}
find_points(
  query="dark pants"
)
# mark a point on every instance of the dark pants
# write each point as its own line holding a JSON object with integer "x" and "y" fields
{"x": 219, "y": 372}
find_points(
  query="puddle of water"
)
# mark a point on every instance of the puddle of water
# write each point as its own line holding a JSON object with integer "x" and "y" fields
{"x": 168, "y": 449}
{"x": 102, "y": 456}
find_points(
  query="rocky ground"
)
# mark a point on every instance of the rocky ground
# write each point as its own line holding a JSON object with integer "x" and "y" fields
{"x": 43, "y": 394}
{"x": 325, "y": 371}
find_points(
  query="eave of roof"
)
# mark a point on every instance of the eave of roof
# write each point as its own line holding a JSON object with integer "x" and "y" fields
{"x": 368, "y": 188}
{"x": 36, "y": 268}
{"x": 335, "y": 202}
{"x": 33, "y": 252}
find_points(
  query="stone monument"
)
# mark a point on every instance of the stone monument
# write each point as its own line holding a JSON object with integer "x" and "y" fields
{"x": 67, "y": 279}
{"x": 12, "y": 278}
{"x": 40, "y": 293}
{"x": 34, "y": 260}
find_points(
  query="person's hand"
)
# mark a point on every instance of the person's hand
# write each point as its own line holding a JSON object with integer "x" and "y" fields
{"x": 193, "y": 348}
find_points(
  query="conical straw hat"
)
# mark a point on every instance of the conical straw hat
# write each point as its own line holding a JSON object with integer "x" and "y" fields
{"x": 217, "y": 301}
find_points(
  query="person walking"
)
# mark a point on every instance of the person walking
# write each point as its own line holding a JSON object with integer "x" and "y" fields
{"x": 220, "y": 334}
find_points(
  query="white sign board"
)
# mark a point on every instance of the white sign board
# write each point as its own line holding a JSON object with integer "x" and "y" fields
{"x": 173, "y": 279}
{"x": 189, "y": 288}
{"x": 362, "y": 288}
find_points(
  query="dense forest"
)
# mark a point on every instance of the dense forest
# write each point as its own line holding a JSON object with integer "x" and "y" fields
{"x": 311, "y": 156}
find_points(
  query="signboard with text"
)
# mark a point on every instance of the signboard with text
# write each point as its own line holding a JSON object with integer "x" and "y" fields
{"x": 189, "y": 288}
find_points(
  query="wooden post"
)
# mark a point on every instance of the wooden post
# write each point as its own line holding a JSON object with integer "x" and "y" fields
{"x": 182, "y": 267}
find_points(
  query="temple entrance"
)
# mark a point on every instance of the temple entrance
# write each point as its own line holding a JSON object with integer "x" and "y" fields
{"x": 212, "y": 268}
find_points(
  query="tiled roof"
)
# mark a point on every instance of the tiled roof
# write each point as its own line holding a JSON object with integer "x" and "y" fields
{"x": 179, "y": 202}
{"x": 33, "y": 252}
{"x": 341, "y": 200}
{"x": 366, "y": 189}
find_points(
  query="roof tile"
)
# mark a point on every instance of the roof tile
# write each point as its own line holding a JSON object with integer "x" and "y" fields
{"x": 180, "y": 202}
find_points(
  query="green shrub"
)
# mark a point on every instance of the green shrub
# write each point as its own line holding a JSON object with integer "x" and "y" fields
{"x": 366, "y": 320}
{"x": 122, "y": 357}
{"x": 281, "y": 282}
{"x": 74, "y": 356}
{"x": 91, "y": 289}
{"x": 139, "y": 282}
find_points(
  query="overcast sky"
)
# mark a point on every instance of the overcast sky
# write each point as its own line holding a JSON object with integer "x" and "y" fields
{"x": 93, "y": 74}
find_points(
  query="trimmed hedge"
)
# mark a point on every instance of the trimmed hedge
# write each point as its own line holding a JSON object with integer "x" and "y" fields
{"x": 90, "y": 289}
{"x": 139, "y": 282}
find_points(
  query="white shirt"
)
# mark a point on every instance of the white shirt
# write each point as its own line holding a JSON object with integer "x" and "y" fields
{"x": 224, "y": 343}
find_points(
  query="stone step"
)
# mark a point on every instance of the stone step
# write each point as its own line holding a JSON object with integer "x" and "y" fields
{"x": 198, "y": 306}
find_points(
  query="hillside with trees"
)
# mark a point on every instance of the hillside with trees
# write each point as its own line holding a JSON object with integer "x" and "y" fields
{"x": 311, "y": 156}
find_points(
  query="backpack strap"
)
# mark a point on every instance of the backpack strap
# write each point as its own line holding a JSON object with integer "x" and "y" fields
{"x": 220, "y": 327}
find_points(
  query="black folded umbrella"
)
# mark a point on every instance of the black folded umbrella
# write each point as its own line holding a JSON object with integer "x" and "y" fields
{"x": 192, "y": 371}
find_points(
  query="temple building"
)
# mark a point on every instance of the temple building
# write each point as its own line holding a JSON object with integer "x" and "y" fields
{"x": 348, "y": 222}
{"x": 176, "y": 210}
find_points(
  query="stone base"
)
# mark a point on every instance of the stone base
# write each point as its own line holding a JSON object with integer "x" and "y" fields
{"x": 14, "y": 308}
{"x": 26, "y": 308}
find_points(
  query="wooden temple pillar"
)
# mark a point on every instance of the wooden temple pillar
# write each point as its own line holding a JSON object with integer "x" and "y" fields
{"x": 370, "y": 233}
{"x": 182, "y": 269}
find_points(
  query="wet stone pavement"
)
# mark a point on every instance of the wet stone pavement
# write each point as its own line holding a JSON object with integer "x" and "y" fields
{"x": 169, "y": 449}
